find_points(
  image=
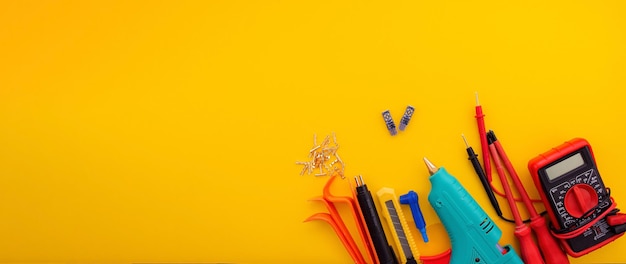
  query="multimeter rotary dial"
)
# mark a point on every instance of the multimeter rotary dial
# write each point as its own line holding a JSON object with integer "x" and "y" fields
{"x": 580, "y": 199}
{"x": 577, "y": 196}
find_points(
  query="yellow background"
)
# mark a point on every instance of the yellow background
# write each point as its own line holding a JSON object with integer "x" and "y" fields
{"x": 167, "y": 131}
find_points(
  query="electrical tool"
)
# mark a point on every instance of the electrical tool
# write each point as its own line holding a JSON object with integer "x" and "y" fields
{"x": 471, "y": 155}
{"x": 405, "y": 246}
{"x": 411, "y": 199}
{"x": 375, "y": 227}
{"x": 575, "y": 197}
{"x": 552, "y": 252}
{"x": 529, "y": 251}
{"x": 480, "y": 121}
{"x": 473, "y": 235}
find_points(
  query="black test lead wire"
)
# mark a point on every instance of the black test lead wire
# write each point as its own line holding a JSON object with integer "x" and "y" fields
{"x": 483, "y": 178}
{"x": 473, "y": 157}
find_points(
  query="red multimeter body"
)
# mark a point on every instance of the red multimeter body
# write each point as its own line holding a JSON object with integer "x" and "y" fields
{"x": 570, "y": 187}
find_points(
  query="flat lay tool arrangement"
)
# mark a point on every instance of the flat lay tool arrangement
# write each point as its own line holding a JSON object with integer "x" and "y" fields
{"x": 167, "y": 131}
{"x": 581, "y": 214}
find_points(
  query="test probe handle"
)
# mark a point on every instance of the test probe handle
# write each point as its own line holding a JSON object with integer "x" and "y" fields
{"x": 553, "y": 254}
{"x": 529, "y": 251}
{"x": 483, "y": 180}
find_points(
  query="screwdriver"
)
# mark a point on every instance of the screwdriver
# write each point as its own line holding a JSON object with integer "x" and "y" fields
{"x": 372, "y": 220}
{"x": 553, "y": 253}
{"x": 529, "y": 251}
{"x": 481, "y": 175}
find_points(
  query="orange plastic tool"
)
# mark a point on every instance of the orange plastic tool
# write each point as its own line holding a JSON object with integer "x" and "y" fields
{"x": 334, "y": 219}
{"x": 356, "y": 255}
{"x": 356, "y": 215}
{"x": 344, "y": 233}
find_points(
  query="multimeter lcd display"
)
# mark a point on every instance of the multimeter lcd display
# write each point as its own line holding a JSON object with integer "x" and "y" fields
{"x": 574, "y": 162}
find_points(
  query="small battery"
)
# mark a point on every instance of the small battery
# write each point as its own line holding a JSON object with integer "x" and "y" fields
{"x": 408, "y": 113}
{"x": 389, "y": 122}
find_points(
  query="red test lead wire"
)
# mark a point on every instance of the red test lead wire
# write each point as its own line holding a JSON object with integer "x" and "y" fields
{"x": 484, "y": 146}
{"x": 580, "y": 230}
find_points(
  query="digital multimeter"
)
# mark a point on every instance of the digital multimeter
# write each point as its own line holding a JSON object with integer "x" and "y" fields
{"x": 574, "y": 195}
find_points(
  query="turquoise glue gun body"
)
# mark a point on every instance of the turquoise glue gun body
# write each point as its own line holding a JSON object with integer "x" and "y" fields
{"x": 473, "y": 235}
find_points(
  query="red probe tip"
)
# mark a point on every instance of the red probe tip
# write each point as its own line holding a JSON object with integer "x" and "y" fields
{"x": 477, "y": 102}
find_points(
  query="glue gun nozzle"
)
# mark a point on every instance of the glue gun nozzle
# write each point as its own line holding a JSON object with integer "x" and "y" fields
{"x": 431, "y": 167}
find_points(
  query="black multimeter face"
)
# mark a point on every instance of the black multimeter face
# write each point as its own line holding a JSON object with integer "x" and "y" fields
{"x": 574, "y": 188}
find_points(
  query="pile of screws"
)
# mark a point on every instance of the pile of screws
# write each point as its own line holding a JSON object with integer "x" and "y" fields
{"x": 320, "y": 158}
